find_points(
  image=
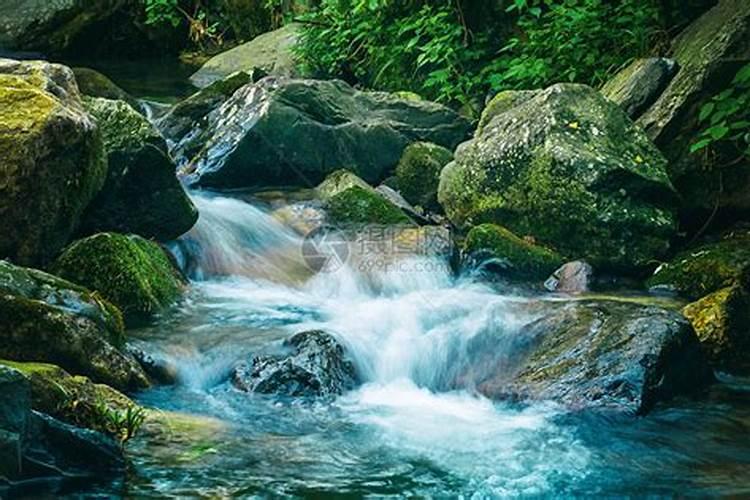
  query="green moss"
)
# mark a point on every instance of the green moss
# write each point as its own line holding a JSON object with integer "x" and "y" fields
{"x": 707, "y": 268}
{"x": 418, "y": 173}
{"x": 356, "y": 205}
{"x": 501, "y": 103}
{"x": 519, "y": 258}
{"x": 133, "y": 273}
{"x": 339, "y": 181}
{"x": 408, "y": 95}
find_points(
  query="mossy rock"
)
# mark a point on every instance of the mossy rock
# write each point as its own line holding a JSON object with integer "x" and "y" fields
{"x": 48, "y": 319}
{"x": 91, "y": 83}
{"x": 133, "y": 273}
{"x": 141, "y": 194}
{"x": 707, "y": 268}
{"x": 570, "y": 169}
{"x": 418, "y": 173}
{"x": 72, "y": 399}
{"x": 502, "y": 102}
{"x": 722, "y": 322}
{"x": 339, "y": 181}
{"x": 356, "y": 205}
{"x": 52, "y": 163}
{"x": 518, "y": 258}
{"x": 408, "y": 95}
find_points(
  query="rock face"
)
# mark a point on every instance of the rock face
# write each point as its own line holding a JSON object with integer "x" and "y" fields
{"x": 418, "y": 173}
{"x": 638, "y": 86}
{"x": 281, "y": 131}
{"x": 45, "y": 318}
{"x": 94, "y": 84}
{"x": 709, "y": 52}
{"x": 572, "y": 277}
{"x": 611, "y": 355}
{"x": 569, "y": 168}
{"x": 141, "y": 193}
{"x": 270, "y": 52}
{"x": 504, "y": 252}
{"x": 134, "y": 274}
{"x": 52, "y": 163}
{"x": 312, "y": 364}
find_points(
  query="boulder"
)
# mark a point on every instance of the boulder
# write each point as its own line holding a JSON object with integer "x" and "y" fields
{"x": 356, "y": 205}
{"x": 638, "y": 86}
{"x": 606, "y": 354}
{"x": 281, "y": 132}
{"x": 709, "y": 53}
{"x": 707, "y": 267}
{"x": 47, "y": 319}
{"x": 52, "y": 163}
{"x": 571, "y": 277}
{"x": 141, "y": 193}
{"x": 133, "y": 273}
{"x": 270, "y": 52}
{"x": 504, "y": 252}
{"x": 418, "y": 173}
{"x": 569, "y": 168}
{"x": 722, "y": 322}
{"x": 91, "y": 83}
{"x": 339, "y": 181}
{"x": 310, "y": 364}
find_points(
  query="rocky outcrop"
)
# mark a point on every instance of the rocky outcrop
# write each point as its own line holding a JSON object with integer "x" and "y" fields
{"x": 141, "y": 193}
{"x": 36, "y": 446}
{"x": 281, "y": 131}
{"x": 638, "y": 86}
{"x": 572, "y": 277}
{"x": 418, "y": 173}
{"x": 570, "y": 169}
{"x": 310, "y": 364}
{"x": 501, "y": 251}
{"x": 134, "y": 274}
{"x": 47, "y": 319}
{"x": 605, "y": 354}
{"x": 270, "y": 52}
{"x": 91, "y": 83}
{"x": 52, "y": 163}
{"x": 709, "y": 53}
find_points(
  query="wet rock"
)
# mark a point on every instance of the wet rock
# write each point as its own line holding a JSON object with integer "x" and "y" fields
{"x": 570, "y": 169}
{"x": 91, "y": 83}
{"x": 395, "y": 198}
{"x": 311, "y": 363}
{"x": 356, "y": 205}
{"x": 270, "y": 52}
{"x": 133, "y": 273}
{"x": 505, "y": 253}
{"x": 722, "y": 322}
{"x": 281, "y": 131}
{"x": 638, "y": 86}
{"x": 572, "y": 277}
{"x": 618, "y": 356}
{"x": 707, "y": 267}
{"x": 45, "y": 318}
{"x": 141, "y": 193}
{"x": 52, "y": 163}
{"x": 157, "y": 368}
{"x": 339, "y": 181}
{"x": 709, "y": 53}
{"x": 418, "y": 173}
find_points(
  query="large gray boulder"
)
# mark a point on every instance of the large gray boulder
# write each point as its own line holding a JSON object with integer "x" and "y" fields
{"x": 605, "y": 354}
{"x": 141, "y": 193}
{"x": 52, "y": 162}
{"x": 45, "y": 318}
{"x": 709, "y": 53}
{"x": 270, "y": 52}
{"x": 638, "y": 86}
{"x": 282, "y": 131}
{"x": 568, "y": 168}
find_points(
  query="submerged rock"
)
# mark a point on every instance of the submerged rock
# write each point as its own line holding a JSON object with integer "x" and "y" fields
{"x": 570, "y": 169}
{"x": 572, "y": 277}
{"x": 311, "y": 363}
{"x": 638, "y": 86}
{"x": 508, "y": 254}
{"x": 45, "y": 318}
{"x": 141, "y": 193}
{"x": 603, "y": 354}
{"x": 418, "y": 173}
{"x": 134, "y": 274}
{"x": 281, "y": 131}
{"x": 52, "y": 161}
{"x": 270, "y": 52}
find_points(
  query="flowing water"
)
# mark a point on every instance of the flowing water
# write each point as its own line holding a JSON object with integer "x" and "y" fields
{"x": 404, "y": 432}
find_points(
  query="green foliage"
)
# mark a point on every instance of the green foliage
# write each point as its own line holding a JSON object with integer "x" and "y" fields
{"x": 162, "y": 12}
{"x": 725, "y": 120}
{"x": 121, "y": 424}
